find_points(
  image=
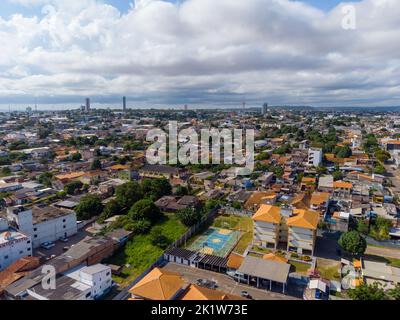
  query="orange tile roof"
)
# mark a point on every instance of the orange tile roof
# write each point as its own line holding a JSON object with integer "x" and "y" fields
{"x": 318, "y": 198}
{"x": 301, "y": 201}
{"x": 393, "y": 142}
{"x": 268, "y": 213}
{"x": 118, "y": 167}
{"x": 274, "y": 257}
{"x": 17, "y": 270}
{"x": 308, "y": 180}
{"x": 195, "y": 292}
{"x": 235, "y": 260}
{"x": 69, "y": 176}
{"x": 307, "y": 219}
{"x": 342, "y": 185}
{"x": 158, "y": 284}
{"x": 257, "y": 197}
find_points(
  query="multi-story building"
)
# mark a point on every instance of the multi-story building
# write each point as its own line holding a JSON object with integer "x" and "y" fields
{"x": 294, "y": 229}
{"x": 13, "y": 245}
{"x": 314, "y": 157}
{"x": 81, "y": 283}
{"x": 43, "y": 224}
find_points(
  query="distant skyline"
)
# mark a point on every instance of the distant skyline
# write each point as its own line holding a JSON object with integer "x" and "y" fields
{"x": 198, "y": 52}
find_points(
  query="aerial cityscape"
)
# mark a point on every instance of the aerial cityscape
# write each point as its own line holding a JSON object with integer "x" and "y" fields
{"x": 200, "y": 150}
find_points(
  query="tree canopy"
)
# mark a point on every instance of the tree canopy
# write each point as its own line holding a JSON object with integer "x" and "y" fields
{"x": 353, "y": 243}
{"x": 88, "y": 207}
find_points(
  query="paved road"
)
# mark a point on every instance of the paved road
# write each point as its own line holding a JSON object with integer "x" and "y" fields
{"x": 224, "y": 282}
{"x": 384, "y": 252}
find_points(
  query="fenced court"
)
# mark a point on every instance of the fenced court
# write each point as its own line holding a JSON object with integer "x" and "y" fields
{"x": 216, "y": 241}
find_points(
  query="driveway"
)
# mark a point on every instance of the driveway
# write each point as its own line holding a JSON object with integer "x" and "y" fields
{"x": 224, "y": 282}
{"x": 326, "y": 246}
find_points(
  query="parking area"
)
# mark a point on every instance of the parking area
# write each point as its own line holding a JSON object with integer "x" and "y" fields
{"x": 59, "y": 245}
{"x": 224, "y": 282}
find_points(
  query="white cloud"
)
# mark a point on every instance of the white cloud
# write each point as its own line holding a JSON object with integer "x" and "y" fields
{"x": 204, "y": 51}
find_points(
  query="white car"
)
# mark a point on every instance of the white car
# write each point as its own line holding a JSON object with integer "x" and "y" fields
{"x": 47, "y": 245}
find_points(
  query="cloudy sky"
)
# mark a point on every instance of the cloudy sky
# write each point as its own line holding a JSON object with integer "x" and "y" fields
{"x": 199, "y": 52}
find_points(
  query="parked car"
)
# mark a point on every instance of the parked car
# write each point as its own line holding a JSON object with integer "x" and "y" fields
{"x": 246, "y": 295}
{"x": 47, "y": 245}
{"x": 63, "y": 239}
{"x": 210, "y": 284}
{"x": 66, "y": 248}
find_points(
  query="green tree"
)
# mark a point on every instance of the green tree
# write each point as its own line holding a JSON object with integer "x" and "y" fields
{"x": 189, "y": 217}
{"x": 337, "y": 175}
{"x": 181, "y": 191}
{"x": 156, "y": 188}
{"x": 343, "y": 152}
{"x": 368, "y": 292}
{"x": 353, "y": 243}
{"x": 379, "y": 169}
{"x": 76, "y": 157}
{"x": 88, "y": 207}
{"x": 145, "y": 209}
{"x": 96, "y": 165}
{"x": 158, "y": 239}
{"x": 72, "y": 187}
{"x": 128, "y": 193}
{"x": 137, "y": 227}
{"x": 395, "y": 292}
{"x": 381, "y": 228}
{"x": 236, "y": 205}
{"x": 46, "y": 179}
{"x": 112, "y": 208}
{"x": 382, "y": 155}
{"x": 363, "y": 227}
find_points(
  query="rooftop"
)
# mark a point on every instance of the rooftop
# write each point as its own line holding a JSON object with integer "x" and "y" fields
{"x": 265, "y": 269}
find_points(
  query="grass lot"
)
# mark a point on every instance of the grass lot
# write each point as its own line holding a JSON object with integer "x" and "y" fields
{"x": 329, "y": 269}
{"x": 260, "y": 249}
{"x": 299, "y": 267}
{"x": 139, "y": 253}
{"x": 243, "y": 224}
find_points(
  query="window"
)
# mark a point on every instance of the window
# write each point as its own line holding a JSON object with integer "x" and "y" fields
{"x": 28, "y": 242}
{"x": 64, "y": 227}
{"x": 63, "y": 220}
{"x": 21, "y": 252}
{"x": 5, "y": 257}
{"x": 35, "y": 236}
{"x": 34, "y": 229}
{"x": 88, "y": 294}
{"x": 108, "y": 273}
{"x": 29, "y": 249}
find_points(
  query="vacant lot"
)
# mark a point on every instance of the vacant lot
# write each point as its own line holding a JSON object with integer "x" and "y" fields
{"x": 139, "y": 253}
{"x": 329, "y": 269}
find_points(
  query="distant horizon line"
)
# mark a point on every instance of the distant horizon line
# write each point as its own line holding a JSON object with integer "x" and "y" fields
{"x": 21, "y": 107}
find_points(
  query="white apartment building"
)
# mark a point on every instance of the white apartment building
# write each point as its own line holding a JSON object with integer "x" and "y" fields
{"x": 13, "y": 245}
{"x": 295, "y": 229}
{"x": 43, "y": 224}
{"x": 314, "y": 157}
{"x": 80, "y": 283}
{"x": 98, "y": 277}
